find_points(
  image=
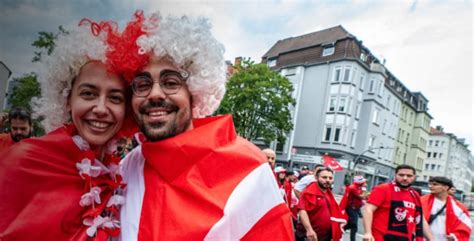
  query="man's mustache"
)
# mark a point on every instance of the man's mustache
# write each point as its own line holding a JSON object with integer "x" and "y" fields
{"x": 157, "y": 104}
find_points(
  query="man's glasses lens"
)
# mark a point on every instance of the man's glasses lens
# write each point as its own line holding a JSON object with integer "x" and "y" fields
{"x": 170, "y": 83}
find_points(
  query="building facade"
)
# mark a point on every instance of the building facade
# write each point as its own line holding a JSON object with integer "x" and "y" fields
{"x": 448, "y": 156}
{"x": 348, "y": 105}
{"x": 5, "y": 73}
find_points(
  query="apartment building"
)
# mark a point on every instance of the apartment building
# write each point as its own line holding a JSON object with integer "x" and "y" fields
{"x": 348, "y": 105}
{"x": 448, "y": 155}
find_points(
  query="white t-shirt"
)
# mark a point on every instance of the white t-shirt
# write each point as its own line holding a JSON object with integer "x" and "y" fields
{"x": 304, "y": 182}
{"x": 438, "y": 226}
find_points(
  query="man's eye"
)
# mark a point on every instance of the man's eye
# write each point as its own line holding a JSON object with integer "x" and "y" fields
{"x": 171, "y": 82}
{"x": 143, "y": 85}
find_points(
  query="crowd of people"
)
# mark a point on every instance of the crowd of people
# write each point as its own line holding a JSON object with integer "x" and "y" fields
{"x": 132, "y": 153}
{"x": 393, "y": 211}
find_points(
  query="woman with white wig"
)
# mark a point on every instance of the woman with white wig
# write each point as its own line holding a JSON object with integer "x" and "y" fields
{"x": 65, "y": 185}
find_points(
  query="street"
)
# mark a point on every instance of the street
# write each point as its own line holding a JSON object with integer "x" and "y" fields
{"x": 359, "y": 233}
{"x": 361, "y": 230}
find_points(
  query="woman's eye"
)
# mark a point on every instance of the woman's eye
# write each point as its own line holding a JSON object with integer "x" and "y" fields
{"x": 117, "y": 99}
{"x": 87, "y": 94}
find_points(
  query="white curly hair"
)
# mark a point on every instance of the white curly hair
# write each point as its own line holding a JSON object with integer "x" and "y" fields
{"x": 189, "y": 43}
{"x": 58, "y": 70}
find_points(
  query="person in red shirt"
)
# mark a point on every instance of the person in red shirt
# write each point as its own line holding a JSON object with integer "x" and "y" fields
{"x": 319, "y": 213}
{"x": 20, "y": 127}
{"x": 393, "y": 210}
{"x": 352, "y": 201}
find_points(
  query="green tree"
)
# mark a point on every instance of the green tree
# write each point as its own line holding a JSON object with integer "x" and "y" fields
{"x": 27, "y": 86}
{"x": 45, "y": 43}
{"x": 260, "y": 101}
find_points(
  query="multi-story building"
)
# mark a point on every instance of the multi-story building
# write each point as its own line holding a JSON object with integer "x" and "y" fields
{"x": 448, "y": 156}
{"x": 5, "y": 73}
{"x": 413, "y": 130}
{"x": 348, "y": 104}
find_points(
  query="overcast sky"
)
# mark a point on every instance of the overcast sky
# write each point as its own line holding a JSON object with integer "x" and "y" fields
{"x": 427, "y": 44}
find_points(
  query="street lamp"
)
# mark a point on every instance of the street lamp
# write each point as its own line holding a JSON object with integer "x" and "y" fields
{"x": 356, "y": 159}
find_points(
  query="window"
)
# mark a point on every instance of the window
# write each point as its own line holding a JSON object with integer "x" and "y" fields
{"x": 332, "y": 103}
{"x": 280, "y": 146}
{"x": 342, "y": 104}
{"x": 440, "y": 155}
{"x": 381, "y": 90}
{"x": 407, "y": 141}
{"x": 363, "y": 57}
{"x": 442, "y": 143}
{"x": 328, "y": 50}
{"x": 384, "y": 126}
{"x": 435, "y": 154}
{"x": 375, "y": 118}
{"x": 439, "y": 167}
{"x": 388, "y": 101}
{"x": 433, "y": 167}
{"x": 361, "y": 81}
{"x": 347, "y": 73}
{"x": 337, "y": 134}
{"x": 357, "y": 110}
{"x": 430, "y": 143}
{"x": 371, "y": 85}
{"x": 428, "y": 154}
{"x": 353, "y": 138}
{"x": 371, "y": 141}
{"x": 337, "y": 74}
{"x": 272, "y": 62}
{"x": 290, "y": 71}
{"x": 427, "y": 166}
{"x": 436, "y": 143}
{"x": 327, "y": 134}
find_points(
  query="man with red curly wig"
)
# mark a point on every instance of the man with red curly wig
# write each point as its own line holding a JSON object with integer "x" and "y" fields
{"x": 192, "y": 178}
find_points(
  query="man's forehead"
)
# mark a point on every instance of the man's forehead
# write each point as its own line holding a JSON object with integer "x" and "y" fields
{"x": 18, "y": 121}
{"x": 405, "y": 172}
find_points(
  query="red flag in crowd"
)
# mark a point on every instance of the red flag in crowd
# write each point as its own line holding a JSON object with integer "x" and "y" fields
{"x": 329, "y": 161}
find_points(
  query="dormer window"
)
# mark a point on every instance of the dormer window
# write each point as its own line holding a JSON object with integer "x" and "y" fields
{"x": 272, "y": 62}
{"x": 328, "y": 49}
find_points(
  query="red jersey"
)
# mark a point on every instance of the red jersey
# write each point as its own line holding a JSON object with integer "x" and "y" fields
{"x": 354, "y": 199}
{"x": 403, "y": 207}
{"x": 323, "y": 212}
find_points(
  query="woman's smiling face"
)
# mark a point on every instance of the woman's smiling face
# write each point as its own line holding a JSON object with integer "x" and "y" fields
{"x": 97, "y": 104}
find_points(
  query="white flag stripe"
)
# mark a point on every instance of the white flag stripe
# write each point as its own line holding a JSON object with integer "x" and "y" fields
{"x": 461, "y": 215}
{"x": 243, "y": 208}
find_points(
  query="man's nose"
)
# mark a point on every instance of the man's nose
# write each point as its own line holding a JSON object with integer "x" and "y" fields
{"x": 156, "y": 92}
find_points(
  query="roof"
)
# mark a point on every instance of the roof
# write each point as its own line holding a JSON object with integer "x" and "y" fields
{"x": 325, "y": 36}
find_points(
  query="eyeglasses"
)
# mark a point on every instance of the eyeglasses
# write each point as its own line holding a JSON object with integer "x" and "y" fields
{"x": 170, "y": 82}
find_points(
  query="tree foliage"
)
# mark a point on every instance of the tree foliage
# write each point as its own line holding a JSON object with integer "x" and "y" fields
{"x": 45, "y": 43}
{"x": 26, "y": 87}
{"x": 260, "y": 101}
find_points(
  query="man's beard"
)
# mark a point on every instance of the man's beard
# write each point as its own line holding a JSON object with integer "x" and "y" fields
{"x": 323, "y": 186}
{"x": 19, "y": 137}
{"x": 173, "y": 128}
{"x": 401, "y": 185}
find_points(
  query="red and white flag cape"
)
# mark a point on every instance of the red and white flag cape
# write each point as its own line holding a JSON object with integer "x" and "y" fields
{"x": 204, "y": 184}
{"x": 458, "y": 222}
